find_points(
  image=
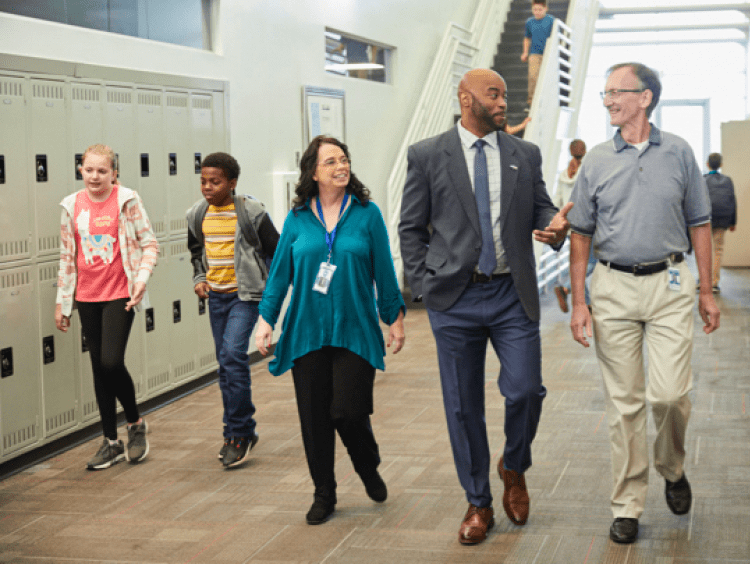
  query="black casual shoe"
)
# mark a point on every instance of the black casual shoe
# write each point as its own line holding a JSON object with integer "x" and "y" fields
{"x": 137, "y": 442}
{"x": 107, "y": 455}
{"x": 375, "y": 487}
{"x": 223, "y": 450}
{"x": 319, "y": 512}
{"x": 624, "y": 530}
{"x": 238, "y": 450}
{"x": 678, "y": 494}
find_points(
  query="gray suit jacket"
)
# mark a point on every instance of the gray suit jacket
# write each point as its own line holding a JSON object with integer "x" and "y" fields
{"x": 440, "y": 235}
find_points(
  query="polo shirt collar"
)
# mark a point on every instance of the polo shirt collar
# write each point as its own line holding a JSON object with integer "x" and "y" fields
{"x": 654, "y": 138}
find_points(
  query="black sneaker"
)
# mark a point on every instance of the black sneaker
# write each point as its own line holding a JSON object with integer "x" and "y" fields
{"x": 238, "y": 450}
{"x": 137, "y": 442}
{"x": 679, "y": 496}
{"x": 107, "y": 455}
{"x": 319, "y": 512}
{"x": 223, "y": 449}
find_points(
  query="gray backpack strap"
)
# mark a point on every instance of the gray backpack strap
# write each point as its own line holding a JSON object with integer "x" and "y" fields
{"x": 247, "y": 227}
{"x": 200, "y": 214}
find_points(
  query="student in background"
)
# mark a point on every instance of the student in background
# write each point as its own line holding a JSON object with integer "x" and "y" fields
{"x": 538, "y": 30}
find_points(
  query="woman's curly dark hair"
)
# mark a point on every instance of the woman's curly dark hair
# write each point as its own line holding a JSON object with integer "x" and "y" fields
{"x": 307, "y": 187}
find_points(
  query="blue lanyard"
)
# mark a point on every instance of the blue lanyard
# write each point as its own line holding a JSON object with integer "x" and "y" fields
{"x": 332, "y": 235}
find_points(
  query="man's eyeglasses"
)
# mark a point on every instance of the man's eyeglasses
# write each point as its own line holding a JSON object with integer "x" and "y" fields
{"x": 615, "y": 92}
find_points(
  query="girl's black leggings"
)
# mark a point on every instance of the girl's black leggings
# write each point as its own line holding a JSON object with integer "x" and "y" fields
{"x": 106, "y": 326}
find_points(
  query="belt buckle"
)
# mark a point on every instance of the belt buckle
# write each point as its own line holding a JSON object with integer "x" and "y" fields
{"x": 639, "y": 270}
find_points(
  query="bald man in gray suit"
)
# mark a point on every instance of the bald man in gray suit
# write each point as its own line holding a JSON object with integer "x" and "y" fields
{"x": 474, "y": 198}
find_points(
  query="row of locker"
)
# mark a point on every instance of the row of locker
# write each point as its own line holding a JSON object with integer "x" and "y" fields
{"x": 160, "y": 136}
{"x": 46, "y": 389}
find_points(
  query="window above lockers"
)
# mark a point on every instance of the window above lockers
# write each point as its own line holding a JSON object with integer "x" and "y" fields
{"x": 182, "y": 22}
{"x": 347, "y": 55}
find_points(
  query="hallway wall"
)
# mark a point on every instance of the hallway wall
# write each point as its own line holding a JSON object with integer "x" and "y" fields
{"x": 267, "y": 51}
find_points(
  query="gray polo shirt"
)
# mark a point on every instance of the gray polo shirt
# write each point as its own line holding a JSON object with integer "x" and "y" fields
{"x": 637, "y": 205}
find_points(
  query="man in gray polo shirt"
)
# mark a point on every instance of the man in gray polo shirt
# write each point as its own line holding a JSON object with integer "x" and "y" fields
{"x": 637, "y": 196}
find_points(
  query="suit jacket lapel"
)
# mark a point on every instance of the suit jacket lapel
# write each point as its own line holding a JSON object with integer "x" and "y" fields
{"x": 509, "y": 165}
{"x": 460, "y": 180}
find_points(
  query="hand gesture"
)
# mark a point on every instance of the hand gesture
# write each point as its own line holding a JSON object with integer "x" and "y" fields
{"x": 201, "y": 290}
{"x": 709, "y": 312}
{"x": 557, "y": 229}
{"x": 62, "y": 322}
{"x": 396, "y": 333}
{"x": 580, "y": 324}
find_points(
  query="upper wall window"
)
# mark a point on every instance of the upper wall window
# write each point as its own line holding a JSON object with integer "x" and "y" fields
{"x": 182, "y": 22}
{"x": 357, "y": 57}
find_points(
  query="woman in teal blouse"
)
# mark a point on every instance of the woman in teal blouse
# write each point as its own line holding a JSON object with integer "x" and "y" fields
{"x": 334, "y": 251}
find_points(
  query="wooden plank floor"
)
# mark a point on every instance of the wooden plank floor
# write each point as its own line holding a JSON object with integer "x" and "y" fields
{"x": 181, "y": 506}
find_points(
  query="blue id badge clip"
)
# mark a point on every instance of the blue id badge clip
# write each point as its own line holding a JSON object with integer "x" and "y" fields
{"x": 323, "y": 279}
{"x": 674, "y": 278}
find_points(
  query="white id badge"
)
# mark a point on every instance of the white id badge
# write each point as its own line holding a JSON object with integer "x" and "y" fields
{"x": 674, "y": 279}
{"x": 323, "y": 279}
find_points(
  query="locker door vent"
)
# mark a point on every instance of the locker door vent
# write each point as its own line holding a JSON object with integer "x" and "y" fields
{"x": 208, "y": 359}
{"x": 122, "y": 97}
{"x": 49, "y": 91}
{"x": 178, "y": 225}
{"x": 86, "y": 93}
{"x": 149, "y": 99}
{"x": 202, "y": 103}
{"x": 177, "y": 101}
{"x": 186, "y": 368}
{"x": 89, "y": 408}
{"x": 158, "y": 380}
{"x": 10, "y": 249}
{"x": 19, "y": 437}
{"x": 158, "y": 226}
{"x": 60, "y": 420}
{"x": 48, "y": 273}
{"x": 49, "y": 243}
{"x": 14, "y": 279}
{"x": 11, "y": 88}
{"x": 178, "y": 247}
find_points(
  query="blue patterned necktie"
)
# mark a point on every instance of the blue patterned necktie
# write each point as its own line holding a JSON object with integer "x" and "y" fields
{"x": 487, "y": 259}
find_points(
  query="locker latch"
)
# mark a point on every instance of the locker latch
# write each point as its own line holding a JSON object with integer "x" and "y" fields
{"x": 176, "y": 311}
{"x": 48, "y": 349}
{"x": 6, "y": 362}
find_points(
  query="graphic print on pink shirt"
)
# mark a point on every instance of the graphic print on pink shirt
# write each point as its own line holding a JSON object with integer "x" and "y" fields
{"x": 101, "y": 276}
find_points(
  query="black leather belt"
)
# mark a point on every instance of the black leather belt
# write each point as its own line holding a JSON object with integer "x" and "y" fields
{"x": 478, "y": 277}
{"x": 645, "y": 269}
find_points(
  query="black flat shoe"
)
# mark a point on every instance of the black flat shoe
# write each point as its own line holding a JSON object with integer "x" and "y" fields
{"x": 624, "y": 530}
{"x": 678, "y": 494}
{"x": 319, "y": 512}
{"x": 375, "y": 487}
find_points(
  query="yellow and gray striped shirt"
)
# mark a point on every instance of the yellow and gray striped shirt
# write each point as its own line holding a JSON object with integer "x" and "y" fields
{"x": 219, "y": 226}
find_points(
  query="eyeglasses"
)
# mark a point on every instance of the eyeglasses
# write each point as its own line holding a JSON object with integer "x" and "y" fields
{"x": 615, "y": 92}
{"x": 328, "y": 163}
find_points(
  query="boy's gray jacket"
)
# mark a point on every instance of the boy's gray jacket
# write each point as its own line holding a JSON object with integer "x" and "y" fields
{"x": 249, "y": 254}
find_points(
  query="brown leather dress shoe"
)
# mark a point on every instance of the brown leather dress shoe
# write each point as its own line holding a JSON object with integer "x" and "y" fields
{"x": 477, "y": 522}
{"x": 516, "y": 496}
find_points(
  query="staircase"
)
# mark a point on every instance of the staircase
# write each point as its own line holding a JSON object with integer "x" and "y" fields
{"x": 508, "y": 58}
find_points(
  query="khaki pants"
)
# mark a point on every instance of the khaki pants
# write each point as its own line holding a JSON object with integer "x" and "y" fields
{"x": 535, "y": 62}
{"x": 627, "y": 310}
{"x": 717, "y": 234}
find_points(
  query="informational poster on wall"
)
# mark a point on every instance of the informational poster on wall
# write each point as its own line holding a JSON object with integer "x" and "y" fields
{"x": 323, "y": 113}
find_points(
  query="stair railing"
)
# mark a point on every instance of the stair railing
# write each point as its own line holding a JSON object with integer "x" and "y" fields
{"x": 554, "y": 118}
{"x": 460, "y": 50}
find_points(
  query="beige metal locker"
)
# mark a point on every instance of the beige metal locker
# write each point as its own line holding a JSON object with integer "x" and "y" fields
{"x": 183, "y": 343}
{"x": 49, "y": 159}
{"x": 152, "y": 157}
{"x": 156, "y": 320}
{"x": 16, "y": 204}
{"x": 20, "y": 346}
{"x": 59, "y": 371}
{"x": 181, "y": 169}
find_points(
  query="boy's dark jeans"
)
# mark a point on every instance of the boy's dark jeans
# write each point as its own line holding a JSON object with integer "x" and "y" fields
{"x": 232, "y": 322}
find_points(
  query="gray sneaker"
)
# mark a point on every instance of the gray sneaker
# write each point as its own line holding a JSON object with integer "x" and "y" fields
{"x": 137, "y": 442}
{"x": 107, "y": 455}
{"x": 223, "y": 450}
